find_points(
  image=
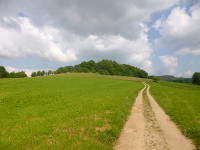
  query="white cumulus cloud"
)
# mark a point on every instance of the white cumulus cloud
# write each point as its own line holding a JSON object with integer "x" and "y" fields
{"x": 180, "y": 30}
{"x": 187, "y": 51}
{"x": 170, "y": 63}
{"x": 25, "y": 39}
{"x": 71, "y": 31}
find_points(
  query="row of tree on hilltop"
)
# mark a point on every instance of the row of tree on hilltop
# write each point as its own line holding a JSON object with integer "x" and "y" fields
{"x": 5, "y": 74}
{"x": 42, "y": 73}
{"x": 105, "y": 67}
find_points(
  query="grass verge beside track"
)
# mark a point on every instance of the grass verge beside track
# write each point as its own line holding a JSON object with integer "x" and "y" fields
{"x": 182, "y": 103}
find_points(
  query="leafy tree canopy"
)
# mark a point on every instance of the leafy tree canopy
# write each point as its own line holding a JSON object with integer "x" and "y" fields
{"x": 107, "y": 67}
{"x": 196, "y": 78}
{"x": 5, "y": 74}
{"x": 21, "y": 74}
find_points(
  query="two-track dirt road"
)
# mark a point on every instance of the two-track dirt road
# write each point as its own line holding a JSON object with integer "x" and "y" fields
{"x": 149, "y": 128}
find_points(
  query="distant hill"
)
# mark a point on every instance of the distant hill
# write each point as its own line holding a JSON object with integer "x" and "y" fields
{"x": 175, "y": 79}
{"x": 106, "y": 67}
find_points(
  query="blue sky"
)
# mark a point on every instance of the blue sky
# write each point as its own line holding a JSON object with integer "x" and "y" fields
{"x": 161, "y": 37}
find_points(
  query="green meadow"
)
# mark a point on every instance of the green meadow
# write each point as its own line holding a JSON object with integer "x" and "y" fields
{"x": 182, "y": 103}
{"x": 65, "y": 112}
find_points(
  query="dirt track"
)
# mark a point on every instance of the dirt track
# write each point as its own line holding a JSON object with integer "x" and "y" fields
{"x": 149, "y": 128}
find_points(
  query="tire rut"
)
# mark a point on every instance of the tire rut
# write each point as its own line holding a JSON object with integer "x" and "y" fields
{"x": 153, "y": 136}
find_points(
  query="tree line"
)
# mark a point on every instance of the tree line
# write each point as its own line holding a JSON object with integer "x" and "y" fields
{"x": 195, "y": 78}
{"x": 5, "y": 74}
{"x": 42, "y": 73}
{"x": 105, "y": 67}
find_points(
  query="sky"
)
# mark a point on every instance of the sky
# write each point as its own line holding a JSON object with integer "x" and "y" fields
{"x": 161, "y": 37}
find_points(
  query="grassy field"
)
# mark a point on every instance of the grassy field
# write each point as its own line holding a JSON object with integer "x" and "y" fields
{"x": 65, "y": 112}
{"x": 182, "y": 103}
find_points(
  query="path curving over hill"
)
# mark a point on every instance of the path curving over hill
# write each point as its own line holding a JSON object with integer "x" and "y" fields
{"x": 149, "y": 128}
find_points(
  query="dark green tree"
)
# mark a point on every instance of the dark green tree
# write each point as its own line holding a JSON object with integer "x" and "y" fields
{"x": 34, "y": 74}
{"x": 42, "y": 73}
{"x": 38, "y": 73}
{"x": 50, "y": 72}
{"x": 196, "y": 78}
{"x": 64, "y": 69}
{"x": 21, "y": 74}
{"x": 12, "y": 75}
{"x": 112, "y": 67}
{"x": 86, "y": 66}
{"x": 3, "y": 72}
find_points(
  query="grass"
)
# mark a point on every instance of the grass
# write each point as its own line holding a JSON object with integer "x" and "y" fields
{"x": 182, "y": 103}
{"x": 65, "y": 112}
